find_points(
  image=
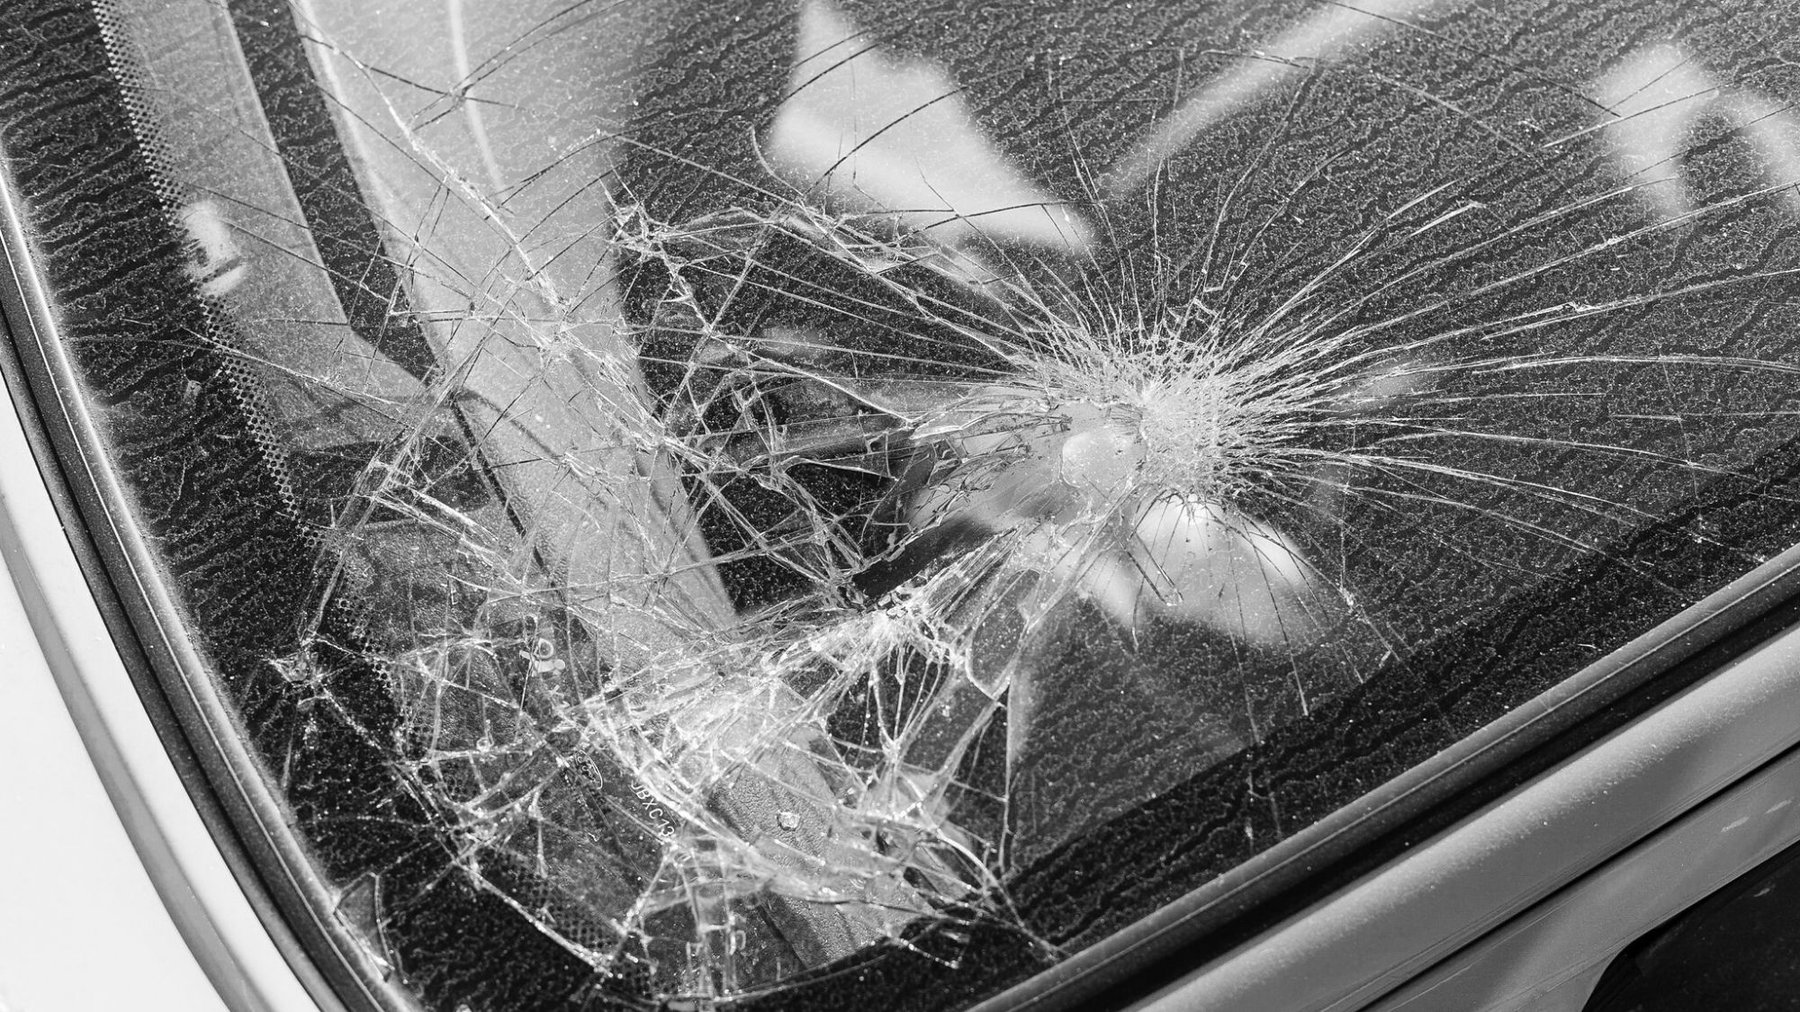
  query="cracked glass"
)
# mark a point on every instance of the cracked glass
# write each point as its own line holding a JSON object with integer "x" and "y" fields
{"x": 853, "y": 503}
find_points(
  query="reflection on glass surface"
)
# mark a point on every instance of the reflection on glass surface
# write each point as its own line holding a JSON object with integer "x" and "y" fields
{"x": 791, "y": 476}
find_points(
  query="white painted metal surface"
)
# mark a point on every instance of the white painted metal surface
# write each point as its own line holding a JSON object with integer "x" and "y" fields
{"x": 1549, "y": 958}
{"x": 112, "y": 892}
{"x": 1397, "y": 923}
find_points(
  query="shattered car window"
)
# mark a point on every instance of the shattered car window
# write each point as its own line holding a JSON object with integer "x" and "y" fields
{"x": 852, "y": 502}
